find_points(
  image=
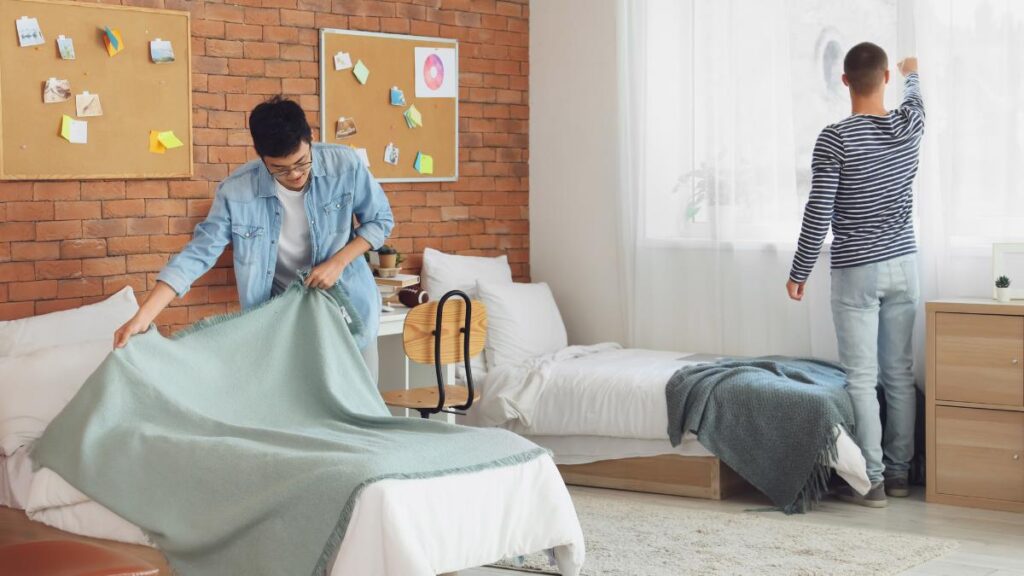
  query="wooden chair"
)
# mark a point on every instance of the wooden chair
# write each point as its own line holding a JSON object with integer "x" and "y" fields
{"x": 442, "y": 333}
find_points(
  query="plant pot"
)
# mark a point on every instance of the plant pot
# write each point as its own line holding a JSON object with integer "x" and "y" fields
{"x": 388, "y": 260}
{"x": 1003, "y": 294}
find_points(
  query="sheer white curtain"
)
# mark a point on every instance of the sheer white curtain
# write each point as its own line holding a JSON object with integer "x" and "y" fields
{"x": 722, "y": 102}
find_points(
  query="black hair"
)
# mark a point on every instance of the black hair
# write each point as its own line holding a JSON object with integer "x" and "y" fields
{"x": 865, "y": 65}
{"x": 278, "y": 127}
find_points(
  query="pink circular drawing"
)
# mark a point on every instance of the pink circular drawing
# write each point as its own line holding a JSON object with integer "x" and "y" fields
{"x": 433, "y": 72}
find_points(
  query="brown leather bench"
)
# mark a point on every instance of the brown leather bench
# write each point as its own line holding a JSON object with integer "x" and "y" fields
{"x": 69, "y": 558}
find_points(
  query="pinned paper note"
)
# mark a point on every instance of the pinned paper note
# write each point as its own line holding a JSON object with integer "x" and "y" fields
{"x": 154, "y": 143}
{"x": 424, "y": 164}
{"x": 391, "y": 154}
{"x": 161, "y": 51}
{"x": 87, "y": 104}
{"x": 66, "y": 47}
{"x": 112, "y": 40}
{"x": 345, "y": 128}
{"x": 397, "y": 97}
{"x": 413, "y": 118}
{"x": 56, "y": 90}
{"x": 29, "y": 33}
{"x": 74, "y": 131}
{"x": 342, "y": 61}
{"x": 169, "y": 140}
{"x": 363, "y": 157}
{"x": 361, "y": 72}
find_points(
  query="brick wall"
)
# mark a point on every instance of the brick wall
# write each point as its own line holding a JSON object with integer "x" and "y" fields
{"x": 63, "y": 244}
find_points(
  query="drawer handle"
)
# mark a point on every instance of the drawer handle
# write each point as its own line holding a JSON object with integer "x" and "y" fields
{"x": 1014, "y": 362}
{"x": 1016, "y": 456}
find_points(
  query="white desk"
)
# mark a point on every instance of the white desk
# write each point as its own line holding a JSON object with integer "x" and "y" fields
{"x": 395, "y": 370}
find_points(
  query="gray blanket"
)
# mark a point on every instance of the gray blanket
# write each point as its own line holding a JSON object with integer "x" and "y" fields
{"x": 772, "y": 420}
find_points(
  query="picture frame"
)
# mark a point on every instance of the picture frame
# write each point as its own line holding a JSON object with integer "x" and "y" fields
{"x": 1008, "y": 260}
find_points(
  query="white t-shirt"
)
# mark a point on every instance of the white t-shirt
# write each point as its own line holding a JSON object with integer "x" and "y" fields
{"x": 294, "y": 247}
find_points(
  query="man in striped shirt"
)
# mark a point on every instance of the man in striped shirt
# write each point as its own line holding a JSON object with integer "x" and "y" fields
{"x": 863, "y": 168}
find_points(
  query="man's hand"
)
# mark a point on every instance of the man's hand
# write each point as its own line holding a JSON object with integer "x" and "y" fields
{"x": 326, "y": 274}
{"x": 907, "y": 66}
{"x": 796, "y": 291}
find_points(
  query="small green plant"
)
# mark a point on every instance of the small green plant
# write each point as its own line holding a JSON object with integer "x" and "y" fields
{"x": 1002, "y": 282}
{"x": 386, "y": 249}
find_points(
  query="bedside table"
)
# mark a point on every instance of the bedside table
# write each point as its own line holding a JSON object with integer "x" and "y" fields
{"x": 975, "y": 403}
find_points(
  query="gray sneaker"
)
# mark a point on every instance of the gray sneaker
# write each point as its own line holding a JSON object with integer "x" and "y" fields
{"x": 897, "y": 487}
{"x": 875, "y": 498}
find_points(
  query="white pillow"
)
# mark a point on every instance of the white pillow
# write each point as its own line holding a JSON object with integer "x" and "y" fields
{"x": 35, "y": 387}
{"x": 442, "y": 273}
{"x": 522, "y": 322}
{"x": 92, "y": 322}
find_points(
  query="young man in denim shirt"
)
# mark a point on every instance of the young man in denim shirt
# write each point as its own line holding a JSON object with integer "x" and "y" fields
{"x": 863, "y": 168}
{"x": 292, "y": 210}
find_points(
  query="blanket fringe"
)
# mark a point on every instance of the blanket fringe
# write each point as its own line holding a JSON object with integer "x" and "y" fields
{"x": 817, "y": 485}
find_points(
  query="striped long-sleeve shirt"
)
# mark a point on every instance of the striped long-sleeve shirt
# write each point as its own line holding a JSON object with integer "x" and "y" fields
{"x": 863, "y": 168}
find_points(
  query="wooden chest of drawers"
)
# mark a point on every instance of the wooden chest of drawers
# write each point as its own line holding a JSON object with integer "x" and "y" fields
{"x": 975, "y": 403}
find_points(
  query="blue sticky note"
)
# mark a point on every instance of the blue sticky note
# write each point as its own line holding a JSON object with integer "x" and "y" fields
{"x": 397, "y": 97}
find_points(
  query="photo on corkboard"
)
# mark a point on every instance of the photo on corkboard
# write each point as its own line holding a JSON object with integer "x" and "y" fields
{"x": 56, "y": 90}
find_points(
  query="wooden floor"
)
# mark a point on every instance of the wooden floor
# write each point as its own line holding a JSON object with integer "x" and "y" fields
{"x": 991, "y": 543}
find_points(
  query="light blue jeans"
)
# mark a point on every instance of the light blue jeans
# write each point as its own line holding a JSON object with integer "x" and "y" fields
{"x": 873, "y": 307}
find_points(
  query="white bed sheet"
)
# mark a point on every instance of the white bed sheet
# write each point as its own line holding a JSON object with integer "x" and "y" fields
{"x": 608, "y": 391}
{"x": 15, "y": 479}
{"x": 398, "y": 527}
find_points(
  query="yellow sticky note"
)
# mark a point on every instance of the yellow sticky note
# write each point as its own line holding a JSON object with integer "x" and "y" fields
{"x": 427, "y": 164}
{"x": 65, "y": 127}
{"x": 169, "y": 140}
{"x": 154, "y": 143}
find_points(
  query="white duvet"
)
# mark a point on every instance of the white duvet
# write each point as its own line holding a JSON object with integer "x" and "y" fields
{"x": 398, "y": 527}
{"x": 604, "y": 390}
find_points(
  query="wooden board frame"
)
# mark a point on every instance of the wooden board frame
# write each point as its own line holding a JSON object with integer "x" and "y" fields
{"x": 407, "y": 155}
{"x": 174, "y": 163}
{"x": 672, "y": 474}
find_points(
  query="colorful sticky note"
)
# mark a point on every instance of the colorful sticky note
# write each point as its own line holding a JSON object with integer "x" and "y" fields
{"x": 112, "y": 40}
{"x": 74, "y": 131}
{"x": 361, "y": 72}
{"x": 154, "y": 143}
{"x": 397, "y": 97}
{"x": 424, "y": 164}
{"x": 342, "y": 61}
{"x": 169, "y": 140}
{"x": 413, "y": 118}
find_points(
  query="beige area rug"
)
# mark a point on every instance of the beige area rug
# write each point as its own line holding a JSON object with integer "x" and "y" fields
{"x": 631, "y": 537}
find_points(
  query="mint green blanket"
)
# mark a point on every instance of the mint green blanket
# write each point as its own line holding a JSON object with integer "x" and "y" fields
{"x": 240, "y": 446}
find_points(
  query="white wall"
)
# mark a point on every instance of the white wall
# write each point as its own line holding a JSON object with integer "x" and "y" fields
{"x": 574, "y": 170}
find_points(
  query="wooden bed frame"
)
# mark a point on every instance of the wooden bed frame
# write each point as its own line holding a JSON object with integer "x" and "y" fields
{"x": 673, "y": 474}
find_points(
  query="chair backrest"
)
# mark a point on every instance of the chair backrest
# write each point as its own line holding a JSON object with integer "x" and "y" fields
{"x": 418, "y": 331}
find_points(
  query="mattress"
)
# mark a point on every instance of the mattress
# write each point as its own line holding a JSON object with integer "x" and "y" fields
{"x": 603, "y": 400}
{"x": 420, "y": 527}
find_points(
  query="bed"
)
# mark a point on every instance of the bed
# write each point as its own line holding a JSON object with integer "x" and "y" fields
{"x": 406, "y": 527}
{"x": 601, "y": 409}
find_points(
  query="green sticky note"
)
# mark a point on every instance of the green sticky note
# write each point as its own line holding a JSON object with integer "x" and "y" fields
{"x": 413, "y": 118}
{"x": 361, "y": 72}
{"x": 424, "y": 164}
{"x": 169, "y": 140}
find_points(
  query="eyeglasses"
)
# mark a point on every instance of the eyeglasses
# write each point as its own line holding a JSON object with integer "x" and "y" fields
{"x": 300, "y": 168}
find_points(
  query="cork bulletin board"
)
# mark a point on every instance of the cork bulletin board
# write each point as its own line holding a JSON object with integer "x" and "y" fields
{"x": 136, "y": 94}
{"x": 391, "y": 62}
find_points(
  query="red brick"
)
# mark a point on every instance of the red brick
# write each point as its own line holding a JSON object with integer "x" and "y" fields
{"x": 103, "y": 266}
{"x": 189, "y": 189}
{"x": 16, "y": 310}
{"x": 58, "y": 269}
{"x": 234, "y": 154}
{"x": 280, "y": 69}
{"x": 103, "y": 190}
{"x": 209, "y": 65}
{"x": 171, "y": 207}
{"x": 297, "y": 18}
{"x": 227, "y": 84}
{"x": 261, "y": 50}
{"x": 147, "y": 189}
{"x": 298, "y": 52}
{"x": 112, "y": 284}
{"x": 15, "y": 191}
{"x": 124, "y": 208}
{"x": 240, "y": 103}
{"x": 281, "y": 34}
{"x": 263, "y": 16}
{"x": 259, "y": 86}
{"x": 245, "y": 67}
{"x": 146, "y": 262}
{"x": 103, "y": 228}
{"x": 154, "y": 225}
{"x": 128, "y": 245}
{"x": 16, "y": 271}
{"x": 169, "y": 243}
{"x": 57, "y": 191}
{"x": 207, "y": 28}
{"x": 29, "y": 211}
{"x": 32, "y": 251}
{"x": 298, "y": 86}
{"x": 80, "y": 287}
{"x": 197, "y": 295}
{"x": 83, "y": 248}
{"x": 206, "y": 102}
{"x": 80, "y": 210}
{"x": 39, "y": 290}
{"x": 220, "y": 119}
{"x": 243, "y": 31}
{"x": 17, "y": 231}
{"x": 225, "y": 12}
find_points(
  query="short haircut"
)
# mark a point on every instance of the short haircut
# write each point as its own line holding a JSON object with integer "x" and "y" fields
{"x": 278, "y": 127}
{"x": 865, "y": 65}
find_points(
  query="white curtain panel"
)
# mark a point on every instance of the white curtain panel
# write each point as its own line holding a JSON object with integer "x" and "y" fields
{"x": 722, "y": 102}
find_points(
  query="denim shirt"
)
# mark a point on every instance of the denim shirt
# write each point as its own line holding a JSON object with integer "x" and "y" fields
{"x": 247, "y": 214}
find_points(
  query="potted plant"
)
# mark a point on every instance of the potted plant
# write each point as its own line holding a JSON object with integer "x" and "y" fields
{"x": 390, "y": 261}
{"x": 1003, "y": 289}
